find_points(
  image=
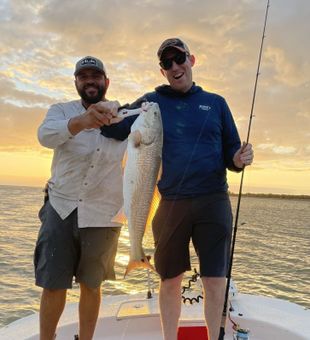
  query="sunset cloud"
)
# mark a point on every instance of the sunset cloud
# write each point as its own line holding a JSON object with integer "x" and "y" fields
{"x": 277, "y": 149}
{"x": 42, "y": 40}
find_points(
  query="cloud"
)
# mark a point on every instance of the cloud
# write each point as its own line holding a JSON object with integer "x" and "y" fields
{"x": 42, "y": 40}
{"x": 278, "y": 149}
{"x": 18, "y": 127}
{"x": 287, "y": 71}
{"x": 8, "y": 91}
{"x": 19, "y": 121}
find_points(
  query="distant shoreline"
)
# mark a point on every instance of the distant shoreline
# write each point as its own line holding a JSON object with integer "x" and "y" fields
{"x": 280, "y": 196}
{"x": 233, "y": 194}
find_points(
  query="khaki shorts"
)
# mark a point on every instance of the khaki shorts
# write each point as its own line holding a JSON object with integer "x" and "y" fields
{"x": 64, "y": 251}
{"x": 207, "y": 221}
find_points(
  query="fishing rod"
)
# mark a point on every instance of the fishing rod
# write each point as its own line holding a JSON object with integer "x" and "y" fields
{"x": 222, "y": 329}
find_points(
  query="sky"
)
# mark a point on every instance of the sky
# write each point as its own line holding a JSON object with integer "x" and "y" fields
{"x": 41, "y": 40}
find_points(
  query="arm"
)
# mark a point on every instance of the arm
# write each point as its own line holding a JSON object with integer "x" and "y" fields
{"x": 56, "y": 128}
{"x": 236, "y": 156}
{"x": 230, "y": 138}
{"x": 94, "y": 117}
{"x": 121, "y": 130}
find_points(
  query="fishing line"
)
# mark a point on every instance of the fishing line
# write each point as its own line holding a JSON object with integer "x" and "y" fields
{"x": 242, "y": 176}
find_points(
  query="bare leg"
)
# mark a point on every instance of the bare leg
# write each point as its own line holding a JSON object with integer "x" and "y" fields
{"x": 170, "y": 306}
{"x": 90, "y": 299}
{"x": 51, "y": 308}
{"x": 214, "y": 288}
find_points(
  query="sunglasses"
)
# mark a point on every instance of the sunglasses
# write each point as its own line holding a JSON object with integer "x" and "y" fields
{"x": 179, "y": 59}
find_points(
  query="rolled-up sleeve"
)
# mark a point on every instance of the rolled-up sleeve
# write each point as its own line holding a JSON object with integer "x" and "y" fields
{"x": 54, "y": 129}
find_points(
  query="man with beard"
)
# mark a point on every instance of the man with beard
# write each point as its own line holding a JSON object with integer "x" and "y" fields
{"x": 77, "y": 238}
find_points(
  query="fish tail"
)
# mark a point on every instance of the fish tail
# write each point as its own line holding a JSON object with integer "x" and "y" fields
{"x": 143, "y": 263}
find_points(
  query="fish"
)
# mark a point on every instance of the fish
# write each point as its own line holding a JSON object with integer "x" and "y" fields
{"x": 142, "y": 168}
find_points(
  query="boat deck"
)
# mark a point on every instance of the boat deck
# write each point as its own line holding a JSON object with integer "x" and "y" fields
{"x": 137, "y": 318}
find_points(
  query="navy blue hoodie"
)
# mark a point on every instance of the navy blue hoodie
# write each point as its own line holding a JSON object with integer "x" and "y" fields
{"x": 200, "y": 140}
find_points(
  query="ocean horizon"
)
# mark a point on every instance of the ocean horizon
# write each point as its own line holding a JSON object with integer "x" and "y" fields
{"x": 255, "y": 192}
{"x": 271, "y": 256}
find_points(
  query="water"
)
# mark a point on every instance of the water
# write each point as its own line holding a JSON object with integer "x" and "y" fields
{"x": 271, "y": 258}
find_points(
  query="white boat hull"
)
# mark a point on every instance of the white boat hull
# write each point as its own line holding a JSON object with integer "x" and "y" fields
{"x": 135, "y": 317}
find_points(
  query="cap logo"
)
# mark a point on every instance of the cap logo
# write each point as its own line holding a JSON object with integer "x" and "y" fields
{"x": 88, "y": 61}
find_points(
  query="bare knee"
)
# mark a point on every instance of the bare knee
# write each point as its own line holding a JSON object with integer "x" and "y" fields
{"x": 171, "y": 285}
{"x": 53, "y": 293}
{"x": 214, "y": 285}
{"x": 89, "y": 290}
{"x": 213, "y": 281}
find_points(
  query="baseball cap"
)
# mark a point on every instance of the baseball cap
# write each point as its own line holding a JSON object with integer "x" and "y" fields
{"x": 172, "y": 43}
{"x": 89, "y": 62}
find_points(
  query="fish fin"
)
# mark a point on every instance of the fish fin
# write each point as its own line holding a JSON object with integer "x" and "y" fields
{"x": 153, "y": 207}
{"x": 133, "y": 264}
{"x": 120, "y": 217}
{"x": 160, "y": 171}
{"x": 136, "y": 137}
{"x": 124, "y": 160}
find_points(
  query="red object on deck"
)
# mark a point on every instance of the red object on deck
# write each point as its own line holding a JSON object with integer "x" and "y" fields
{"x": 193, "y": 333}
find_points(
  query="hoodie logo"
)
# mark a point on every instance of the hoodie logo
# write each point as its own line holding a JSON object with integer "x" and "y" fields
{"x": 204, "y": 107}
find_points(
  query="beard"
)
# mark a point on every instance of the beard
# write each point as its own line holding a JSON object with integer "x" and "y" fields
{"x": 92, "y": 99}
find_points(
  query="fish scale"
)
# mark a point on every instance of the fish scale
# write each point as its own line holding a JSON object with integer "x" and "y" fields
{"x": 142, "y": 197}
{"x": 140, "y": 177}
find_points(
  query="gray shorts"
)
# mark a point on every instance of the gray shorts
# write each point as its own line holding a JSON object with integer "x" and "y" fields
{"x": 207, "y": 220}
{"x": 64, "y": 251}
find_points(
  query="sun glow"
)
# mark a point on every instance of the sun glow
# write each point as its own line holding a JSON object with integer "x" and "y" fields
{"x": 37, "y": 64}
{"x": 24, "y": 168}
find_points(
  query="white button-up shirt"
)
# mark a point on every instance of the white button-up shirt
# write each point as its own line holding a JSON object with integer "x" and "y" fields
{"x": 86, "y": 171}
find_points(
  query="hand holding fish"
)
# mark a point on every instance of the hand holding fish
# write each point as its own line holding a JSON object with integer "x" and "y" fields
{"x": 244, "y": 156}
{"x": 96, "y": 115}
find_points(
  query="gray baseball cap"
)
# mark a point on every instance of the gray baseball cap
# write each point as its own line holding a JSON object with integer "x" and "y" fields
{"x": 172, "y": 43}
{"x": 89, "y": 62}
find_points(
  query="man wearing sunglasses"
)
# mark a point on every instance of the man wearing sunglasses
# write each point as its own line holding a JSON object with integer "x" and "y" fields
{"x": 200, "y": 142}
